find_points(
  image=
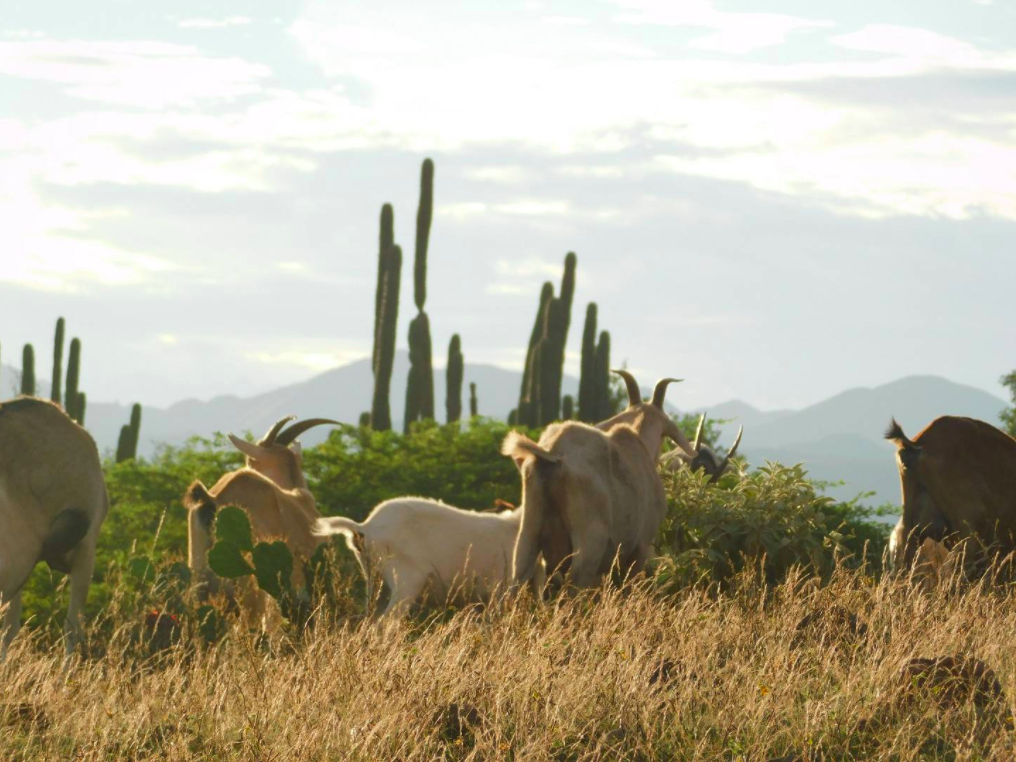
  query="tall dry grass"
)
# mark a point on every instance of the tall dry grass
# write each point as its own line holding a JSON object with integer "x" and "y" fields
{"x": 750, "y": 673}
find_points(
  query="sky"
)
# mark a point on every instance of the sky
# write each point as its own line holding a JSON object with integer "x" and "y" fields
{"x": 775, "y": 201}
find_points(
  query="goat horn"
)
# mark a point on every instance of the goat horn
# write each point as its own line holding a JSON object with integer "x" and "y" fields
{"x": 730, "y": 454}
{"x": 287, "y": 436}
{"x": 634, "y": 393}
{"x": 661, "y": 390}
{"x": 269, "y": 439}
{"x": 698, "y": 432}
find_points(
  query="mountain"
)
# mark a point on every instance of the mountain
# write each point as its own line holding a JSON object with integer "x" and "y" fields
{"x": 838, "y": 439}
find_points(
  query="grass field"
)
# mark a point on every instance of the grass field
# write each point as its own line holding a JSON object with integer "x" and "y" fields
{"x": 750, "y": 673}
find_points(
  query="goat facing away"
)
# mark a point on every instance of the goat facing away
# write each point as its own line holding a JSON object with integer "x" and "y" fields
{"x": 272, "y": 491}
{"x": 707, "y": 459}
{"x": 957, "y": 479}
{"x": 592, "y": 494}
{"x": 426, "y": 550}
{"x": 53, "y": 501}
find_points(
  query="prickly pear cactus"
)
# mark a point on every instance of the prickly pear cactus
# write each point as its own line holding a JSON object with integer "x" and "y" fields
{"x": 270, "y": 563}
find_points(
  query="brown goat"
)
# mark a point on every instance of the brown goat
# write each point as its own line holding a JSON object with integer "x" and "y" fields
{"x": 592, "y": 494}
{"x": 958, "y": 479}
{"x": 273, "y": 492}
{"x": 53, "y": 501}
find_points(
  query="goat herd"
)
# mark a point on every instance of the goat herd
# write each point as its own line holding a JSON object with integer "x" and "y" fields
{"x": 592, "y": 500}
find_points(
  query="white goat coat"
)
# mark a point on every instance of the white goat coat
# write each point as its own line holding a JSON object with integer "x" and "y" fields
{"x": 425, "y": 546}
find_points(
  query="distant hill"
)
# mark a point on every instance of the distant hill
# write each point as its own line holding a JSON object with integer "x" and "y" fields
{"x": 838, "y": 439}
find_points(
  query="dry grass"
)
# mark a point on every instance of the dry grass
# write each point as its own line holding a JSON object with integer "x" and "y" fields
{"x": 750, "y": 674}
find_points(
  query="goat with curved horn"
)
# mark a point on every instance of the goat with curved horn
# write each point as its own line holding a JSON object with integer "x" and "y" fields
{"x": 661, "y": 390}
{"x": 269, "y": 439}
{"x": 730, "y": 454}
{"x": 289, "y": 435}
{"x": 698, "y": 431}
{"x": 634, "y": 393}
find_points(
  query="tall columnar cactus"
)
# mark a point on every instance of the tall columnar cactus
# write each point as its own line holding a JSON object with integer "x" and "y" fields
{"x": 79, "y": 408}
{"x": 384, "y": 257}
{"x": 588, "y": 406}
{"x": 71, "y": 391}
{"x": 567, "y": 408}
{"x": 540, "y": 401}
{"x": 420, "y": 386}
{"x": 58, "y": 342}
{"x": 604, "y": 403}
{"x": 28, "y": 371}
{"x": 527, "y": 412}
{"x": 384, "y": 341}
{"x": 127, "y": 445}
{"x": 474, "y": 405}
{"x": 455, "y": 373}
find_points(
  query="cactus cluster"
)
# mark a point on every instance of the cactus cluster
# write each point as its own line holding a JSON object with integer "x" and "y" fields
{"x": 595, "y": 402}
{"x": 540, "y": 396}
{"x": 454, "y": 375}
{"x": 127, "y": 446}
{"x": 386, "y": 314}
{"x": 420, "y": 386}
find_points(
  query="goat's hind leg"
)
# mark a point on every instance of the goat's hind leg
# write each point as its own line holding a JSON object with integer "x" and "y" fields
{"x": 82, "y": 564}
{"x": 405, "y": 584}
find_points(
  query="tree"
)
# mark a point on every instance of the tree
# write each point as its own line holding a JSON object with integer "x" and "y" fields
{"x": 1008, "y": 415}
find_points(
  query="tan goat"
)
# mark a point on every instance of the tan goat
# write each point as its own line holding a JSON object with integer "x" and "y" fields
{"x": 53, "y": 501}
{"x": 592, "y": 494}
{"x": 273, "y": 492}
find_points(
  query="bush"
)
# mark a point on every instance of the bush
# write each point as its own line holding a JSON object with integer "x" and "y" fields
{"x": 774, "y": 515}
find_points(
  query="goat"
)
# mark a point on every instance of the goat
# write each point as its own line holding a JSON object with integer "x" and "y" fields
{"x": 591, "y": 494}
{"x": 273, "y": 492}
{"x": 424, "y": 546}
{"x": 707, "y": 459}
{"x": 957, "y": 478}
{"x": 53, "y": 501}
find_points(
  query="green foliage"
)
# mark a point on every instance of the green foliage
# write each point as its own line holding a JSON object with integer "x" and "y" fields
{"x": 1008, "y": 415}
{"x": 57, "y": 378}
{"x": 28, "y": 371}
{"x": 773, "y": 516}
{"x": 455, "y": 371}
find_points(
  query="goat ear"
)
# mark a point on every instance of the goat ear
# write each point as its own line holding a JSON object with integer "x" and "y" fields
{"x": 249, "y": 449}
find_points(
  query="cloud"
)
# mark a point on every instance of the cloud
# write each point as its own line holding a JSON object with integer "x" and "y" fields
{"x": 731, "y": 33}
{"x": 208, "y": 23}
{"x": 135, "y": 74}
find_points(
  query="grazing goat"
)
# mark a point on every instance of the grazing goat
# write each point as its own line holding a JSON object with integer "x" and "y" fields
{"x": 273, "y": 492}
{"x": 53, "y": 501}
{"x": 424, "y": 546}
{"x": 592, "y": 494}
{"x": 958, "y": 479}
{"x": 707, "y": 460}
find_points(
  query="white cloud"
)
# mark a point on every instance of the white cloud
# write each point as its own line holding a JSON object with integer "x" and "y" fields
{"x": 317, "y": 360}
{"x": 136, "y": 74}
{"x": 733, "y": 33}
{"x": 207, "y": 23}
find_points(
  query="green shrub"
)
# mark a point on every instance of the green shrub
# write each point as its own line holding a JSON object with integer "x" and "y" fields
{"x": 774, "y": 516}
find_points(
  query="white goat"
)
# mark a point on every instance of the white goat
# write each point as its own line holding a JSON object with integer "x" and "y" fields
{"x": 53, "y": 501}
{"x": 591, "y": 495}
{"x": 427, "y": 550}
{"x": 273, "y": 492}
{"x": 707, "y": 459}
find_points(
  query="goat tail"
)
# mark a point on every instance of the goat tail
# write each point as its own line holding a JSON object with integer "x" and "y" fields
{"x": 895, "y": 434}
{"x": 337, "y": 525}
{"x": 519, "y": 447}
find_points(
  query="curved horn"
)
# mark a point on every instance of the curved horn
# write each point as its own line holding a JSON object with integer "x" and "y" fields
{"x": 661, "y": 390}
{"x": 269, "y": 439}
{"x": 634, "y": 393}
{"x": 730, "y": 454}
{"x": 698, "y": 431}
{"x": 287, "y": 436}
